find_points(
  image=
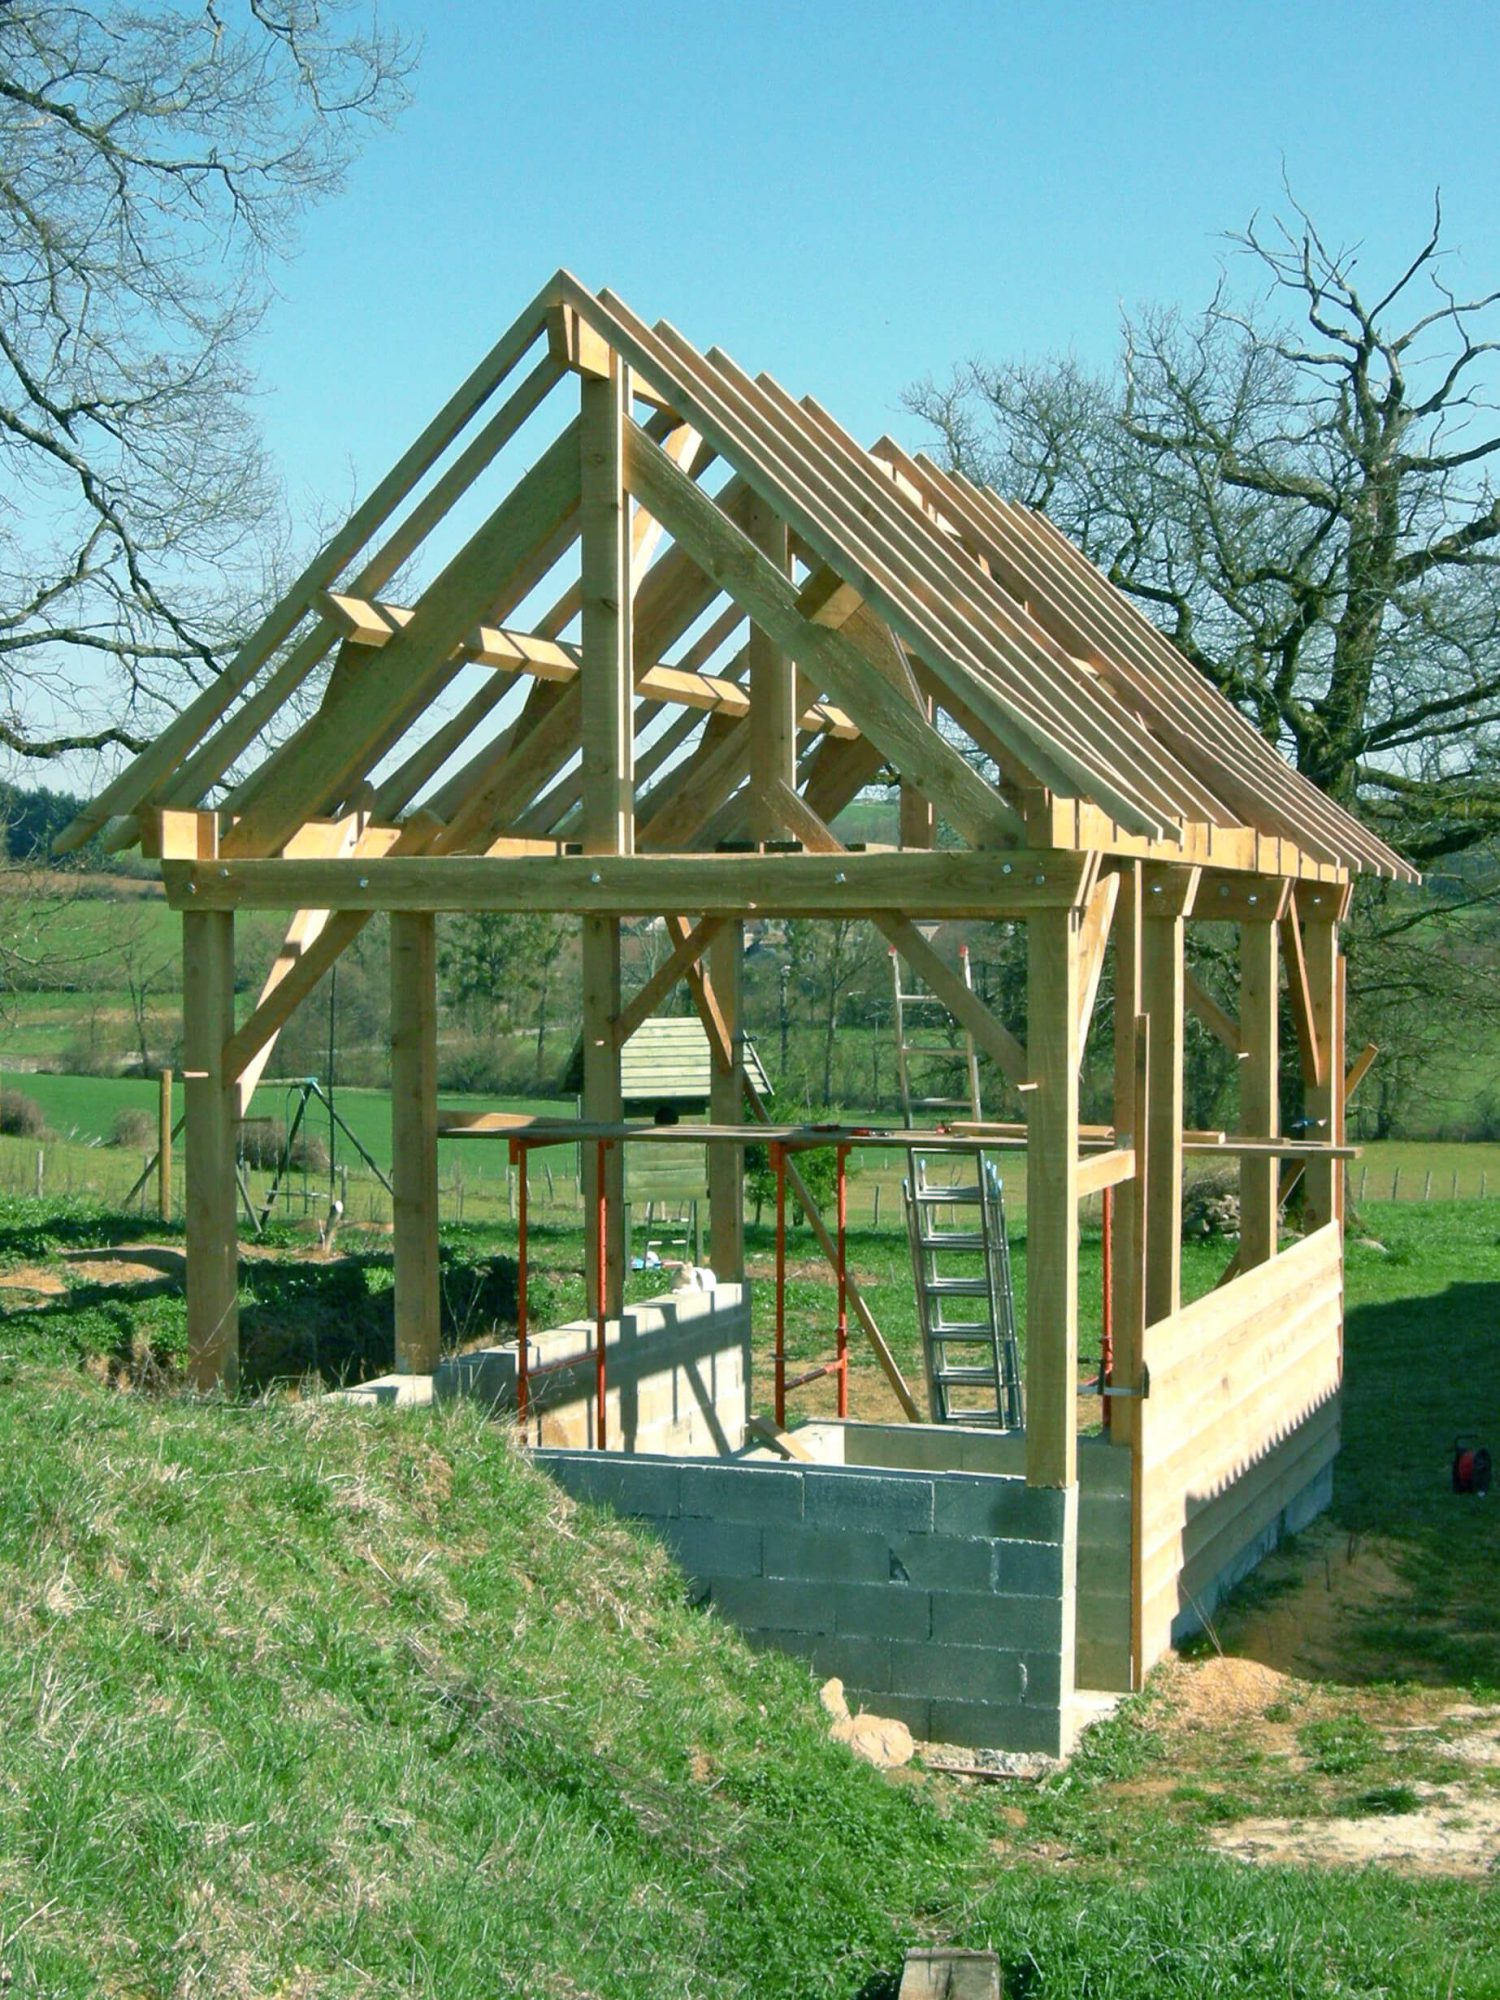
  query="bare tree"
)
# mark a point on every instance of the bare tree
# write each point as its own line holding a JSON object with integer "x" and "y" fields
{"x": 1309, "y": 512}
{"x": 1299, "y": 488}
{"x": 156, "y": 161}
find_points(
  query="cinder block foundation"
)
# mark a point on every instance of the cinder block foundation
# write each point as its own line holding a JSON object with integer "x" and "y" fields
{"x": 677, "y": 1376}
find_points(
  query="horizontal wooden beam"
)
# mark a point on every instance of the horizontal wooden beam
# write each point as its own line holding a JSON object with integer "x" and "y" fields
{"x": 367, "y": 623}
{"x": 1097, "y": 1171}
{"x": 943, "y": 884}
{"x": 1236, "y": 1146}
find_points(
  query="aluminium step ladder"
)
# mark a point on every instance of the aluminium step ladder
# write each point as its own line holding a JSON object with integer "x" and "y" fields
{"x": 925, "y": 1043}
{"x": 955, "y": 1218}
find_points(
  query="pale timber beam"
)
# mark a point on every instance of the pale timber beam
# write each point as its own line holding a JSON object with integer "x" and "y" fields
{"x": 726, "y": 1164}
{"x": 668, "y": 974}
{"x": 1260, "y": 1106}
{"x": 1052, "y": 984}
{"x": 943, "y": 884}
{"x": 1167, "y": 895}
{"x": 725, "y": 554}
{"x": 399, "y": 678}
{"x": 414, "y": 1171}
{"x": 773, "y": 689}
{"x": 1220, "y": 1024}
{"x": 1322, "y": 1094}
{"x": 606, "y": 681}
{"x": 213, "y": 1327}
{"x": 1311, "y": 1052}
{"x": 603, "y": 1104}
{"x": 1098, "y": 915}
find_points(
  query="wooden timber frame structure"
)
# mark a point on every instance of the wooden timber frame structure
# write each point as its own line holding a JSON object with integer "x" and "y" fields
{"x": 681, "y": 640}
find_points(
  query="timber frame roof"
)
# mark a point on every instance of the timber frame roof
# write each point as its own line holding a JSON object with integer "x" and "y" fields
{"x": 928, "y": 619}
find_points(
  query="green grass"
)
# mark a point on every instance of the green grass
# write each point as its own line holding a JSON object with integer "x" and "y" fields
{"x": 304, "y": 1700}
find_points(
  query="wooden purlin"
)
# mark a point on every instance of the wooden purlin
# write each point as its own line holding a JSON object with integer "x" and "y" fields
{"x": 1111, "y": 737}
{"x": 772, "y": 600}
{"x": 218, "y": 752}
{"x": 1087, "y": 624}
{"x": 1345, "y": 833}
{"x": 402, "y": 676}
{"x": 698, "y": 386}
{"x": 857, "y": 543}
{"x": 161, "y": 757}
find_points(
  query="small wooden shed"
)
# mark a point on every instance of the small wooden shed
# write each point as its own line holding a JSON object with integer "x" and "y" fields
{"x": 665, "y": 609}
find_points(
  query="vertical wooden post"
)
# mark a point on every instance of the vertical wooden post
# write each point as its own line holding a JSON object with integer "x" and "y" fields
{"x": 1125, "y": 1270}
{"x": 773, "y": 692}
{"x": 164, "y": 1146}
{"x": 1052, "y": 981}
{"x": 414, "y": 1172}
{"x": 606, "y": 671}
{"x": 1167, "y": 893}
{"x": 213, "y": 1326}
{"x": 726, "y": 1106}
{"x": 1320, "y": 908}
{"x": 1259, "y": 1087}
{"x": 602, "y": 1104}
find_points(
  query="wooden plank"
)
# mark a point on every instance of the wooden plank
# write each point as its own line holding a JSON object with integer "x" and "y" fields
{"x": 1310, "y": 1052}
{"x": 1241, "y": 898}
{"x": 1127, "y": 1266}
{"x": 1162, "y": 990}
{"x": 164, "y": 1123}
{"x": 1097, "y": 1171}
{"x": 399, "y": 678}
{"x": 947, "y": 883}
{"x": 726, "y": 1164}
{"x": 213, "y": 1332}
{"x": 414, "y": 1170}
{"x": 668, "y": 974}
{"x": 607, "y": 683}
{"x": 773, "y": 689}
{"x": 1323, "y": 1095}
{"x": 1098, "y": 915}
{"x": 602, "y": 1102}
{"x": 731, "y": 560}
{"x": 766, "y": 1431}
{"x": 1220, "y": 1024}
{"x": 1052, "y": 988}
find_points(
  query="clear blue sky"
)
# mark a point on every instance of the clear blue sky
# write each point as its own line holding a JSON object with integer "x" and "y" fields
{"x": 855, "y": 195}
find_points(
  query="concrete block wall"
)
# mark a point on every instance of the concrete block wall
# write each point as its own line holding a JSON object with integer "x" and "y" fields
{"x": 1103, "y": 1581}
{"x": 677, "y": 1376}
{"x": 941, "y": 1597}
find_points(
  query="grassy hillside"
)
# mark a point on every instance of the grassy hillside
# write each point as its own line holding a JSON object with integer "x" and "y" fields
{"x": 300, "y": 1700}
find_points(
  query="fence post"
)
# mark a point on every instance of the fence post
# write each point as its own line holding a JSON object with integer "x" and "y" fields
{"x": 1396, "y": 1184}
{"x": 1427, "y": 1186}
{"x": 41, "y": 1171}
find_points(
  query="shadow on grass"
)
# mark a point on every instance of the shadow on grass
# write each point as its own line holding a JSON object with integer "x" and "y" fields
{"x": 335, "y": 1321}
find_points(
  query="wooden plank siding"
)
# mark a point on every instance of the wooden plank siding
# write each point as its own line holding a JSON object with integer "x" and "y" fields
{"x": 1242, "y": 1414}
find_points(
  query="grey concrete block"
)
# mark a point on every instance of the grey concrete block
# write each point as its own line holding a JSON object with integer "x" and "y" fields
{"x": 908, "y": 1708}
{"x": 975, "y": 1673}
{"x": 1103, "y": 1572}
{"x": 1104, "y": 1663}
{"x": 970, "y": 1504}
{"x": 851, "y": 1555}
{"x": 880, "y": 1610}
{"x": 777, "y": 1604}
{"x": 1012, "y": 1623}
{"x": 941, "y": 1562}
{"x": 863, "y": 1665}
{"x": 983, "y": 1725}
{"x": 642, "y": 1487}
{"x": 711, "y": 1549}
{"x": 742, "y": 1492}
{"x": 1029, "y": 1569}
{"x": 891, "y": 1502}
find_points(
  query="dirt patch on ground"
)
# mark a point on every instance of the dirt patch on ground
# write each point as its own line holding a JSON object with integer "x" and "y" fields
{"x": 1222, "y": 1691}
{"x": 1310, "y": 1601}
{"x": 1452, "y": 1832}
{"x": 35, "y": 1279}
